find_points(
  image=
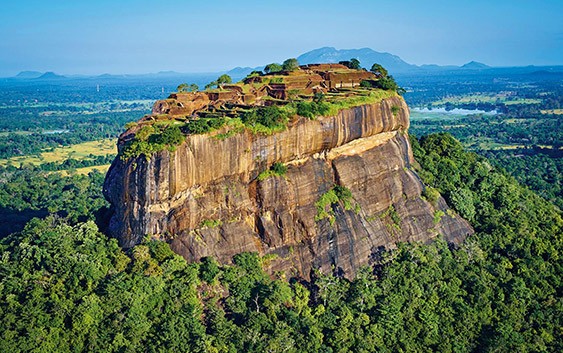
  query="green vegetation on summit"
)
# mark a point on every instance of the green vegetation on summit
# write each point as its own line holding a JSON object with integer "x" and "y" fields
{"x": 261, "y": 103}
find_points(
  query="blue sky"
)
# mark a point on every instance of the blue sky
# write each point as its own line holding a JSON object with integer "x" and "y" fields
{"x": 139, "y": 36}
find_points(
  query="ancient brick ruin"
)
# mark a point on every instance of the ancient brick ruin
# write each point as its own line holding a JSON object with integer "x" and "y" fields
{"x": 265, "y": 89}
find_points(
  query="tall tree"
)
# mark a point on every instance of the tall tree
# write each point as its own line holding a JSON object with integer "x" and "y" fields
{"x": 290, "y": 64}
{"x": 351, "y": 64}
{"x": 224, "y": 79}
{"x": 184, "y": 87}
{"x": 272, "y": 68}
{"x": 379, "y": 71}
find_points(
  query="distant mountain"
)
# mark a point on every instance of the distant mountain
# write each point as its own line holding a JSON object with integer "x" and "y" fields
{"x": 108, "y": 76}
{"x": 29, "y": 74}
{"x": 50, "y": 76}
{"x": 474, "y": 65}
{"x": 168, "y": 74}
{"x": 434, "y": 67}
{"x": 243, "y": 71}
{"x": 367, "y": 57}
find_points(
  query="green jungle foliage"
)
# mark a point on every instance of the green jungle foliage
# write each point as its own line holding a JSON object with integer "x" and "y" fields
{"x": 70, "y": 288}
{"x": 74, "y": 128}
{"x": 185, "y": 87}
{"x": 499, "y": 128}
{"x": 151, "y": 139}
{"x": 290, "y": 65}
{"x": 535, "y": 169}
{"x": 351, "y": 64}
{"x": 27, "y": 193}
{"x": 203, "y": 125}
{"x": 72, "y": 163}
{"x": 541, "y": 169}
{"x": 387, "y": 83}
{"x": 313, "y": 109}
{"x": 265, "y": 119}
{"x": 272, "y": 68}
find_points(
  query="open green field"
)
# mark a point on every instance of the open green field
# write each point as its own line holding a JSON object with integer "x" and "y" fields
{"x": 84, "y": 171}
{"x": 434, "y": 115}
{"x": 552, "y": 111}
{"x": 500, "y": 97}
{"x": 489, "y": 144}
{"x": 93, "y": 107}
{"x": 8, "y": 133}
{"x": 79, "y": 152}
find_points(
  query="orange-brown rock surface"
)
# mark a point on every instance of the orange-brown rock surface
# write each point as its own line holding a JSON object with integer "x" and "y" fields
{"x": 206, "y": 200}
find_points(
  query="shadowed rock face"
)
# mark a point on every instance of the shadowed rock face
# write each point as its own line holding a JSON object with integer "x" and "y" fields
{"x": 205, "y": 199}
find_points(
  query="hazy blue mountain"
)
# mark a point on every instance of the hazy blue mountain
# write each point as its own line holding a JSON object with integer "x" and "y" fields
{"x": 50, "y": 76}
{"x": 169, "y": 74}
{"x": 29, "y": 74}
{"x": 475, "y": 65}
{"x": 243, "y": 71}
{"x": 367, "y": 57}
{"x": 434, "y": 67}
{"x": 394, "y": 64}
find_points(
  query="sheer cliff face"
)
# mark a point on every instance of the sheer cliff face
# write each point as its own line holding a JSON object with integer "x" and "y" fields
{"x": 205, "y": 198}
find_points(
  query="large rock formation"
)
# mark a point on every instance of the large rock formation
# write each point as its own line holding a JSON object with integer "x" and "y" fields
{"x": 206, "y": 200}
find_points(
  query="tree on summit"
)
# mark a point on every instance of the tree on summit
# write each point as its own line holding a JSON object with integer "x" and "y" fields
{"x": 272, "y": 68}
{"x": 355, "y": 64}
{"x": 184, "y": 87}
{"x": 224, "y": 79}
{"x": 255, "y": 73}
{"x": 384, "y": 80}
{"x": 351, "y": 64}
{"x": 219, "y": 82}
{"x": 290, "y": 65}
{"x": 379, "y": 71}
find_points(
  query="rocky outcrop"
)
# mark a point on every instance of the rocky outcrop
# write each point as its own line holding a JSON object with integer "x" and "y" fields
{"x": 206, "y": 200}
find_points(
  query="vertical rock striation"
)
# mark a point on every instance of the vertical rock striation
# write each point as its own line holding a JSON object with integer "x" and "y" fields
{"x": 205, "y": 198}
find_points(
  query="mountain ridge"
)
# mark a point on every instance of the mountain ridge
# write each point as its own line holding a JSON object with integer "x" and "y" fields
{"x": 367, "y": 56}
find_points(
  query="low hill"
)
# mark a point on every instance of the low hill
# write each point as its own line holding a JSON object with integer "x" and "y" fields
{"x": 50, "y": 76}
{"x": 475, "y": 65}
{"x": 29, "y": 74}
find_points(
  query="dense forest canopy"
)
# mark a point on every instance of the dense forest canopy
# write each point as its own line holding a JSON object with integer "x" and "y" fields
{"x": 67, "y": 287}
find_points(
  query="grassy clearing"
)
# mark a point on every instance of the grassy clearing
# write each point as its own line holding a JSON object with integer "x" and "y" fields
{"x": 486, "y": 143}
{"x": 102, "y": 106}
{"x": 522, "y": 101}
{"x": 487, "y": 98}
{"x": 85, "y": 171}
{"x": 552, "y": 111}
{"x": 7, "y": 133}
{"x": 370, "y": 97}
{"x": 517, "y": 120}
{"x": 80, "y": 151}
{"x": 416, "y": 115}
